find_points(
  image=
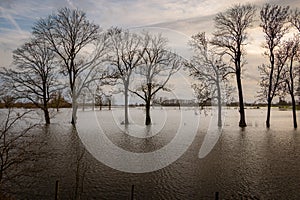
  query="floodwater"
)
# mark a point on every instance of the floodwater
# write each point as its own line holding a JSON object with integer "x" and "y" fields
{"x": 250, "y": 163}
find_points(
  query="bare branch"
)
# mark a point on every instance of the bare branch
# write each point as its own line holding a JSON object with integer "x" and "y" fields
{"x": 230, "y": 37}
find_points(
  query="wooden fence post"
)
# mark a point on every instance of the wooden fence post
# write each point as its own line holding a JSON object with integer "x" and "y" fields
{"x": 56, "y": 190}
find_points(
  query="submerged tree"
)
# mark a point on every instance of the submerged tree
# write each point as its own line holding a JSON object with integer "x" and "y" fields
{"x": 78, "y": 45}
{"x": 289, "y": 52}
{"x": 208, "y": 68}
{"x": 35, "y": 77}
{"x": 57, "y": 99}
{"x": 125, "y": 56}
{"x": 231, "y": 36}
{"x": 158, "y": 65}
{"x": 8, "y": 100}
{"x": 295, "y": 20}
{"x": 273, "y": 22}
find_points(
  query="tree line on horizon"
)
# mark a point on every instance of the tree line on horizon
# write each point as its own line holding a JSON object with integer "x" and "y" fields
{"x": 68, "y": 52}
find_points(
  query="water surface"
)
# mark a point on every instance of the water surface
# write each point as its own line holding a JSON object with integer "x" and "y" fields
{"x": 254, "y": 163}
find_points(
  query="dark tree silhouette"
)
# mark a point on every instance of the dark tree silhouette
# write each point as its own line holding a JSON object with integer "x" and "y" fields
{"x": 158, "y": 65}
{"x": 78, "y": 46}
{"x": 8, "y": 100}
{"x": 208, "y": 68}
{"x": 34, "y": 77}
{"x": 273, "y": 22}
{"x": 295, "y": 19}
{"x": 125, "y": 56}
{"x": 99, "y": 97}
{"x": 230, "y": 36}
{"x": 103, "y": 98}
{"x": 57, "y": 99}
{"x": 289, "y": 56}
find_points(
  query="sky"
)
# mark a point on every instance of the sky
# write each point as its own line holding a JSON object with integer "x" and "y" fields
{"x": 177, "y": 20}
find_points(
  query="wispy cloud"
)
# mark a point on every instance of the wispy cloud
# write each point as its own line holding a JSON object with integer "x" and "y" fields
{"x": 9, "y": 41}
{"x": 10, "y": 18}
{"x": 71, "y": 4}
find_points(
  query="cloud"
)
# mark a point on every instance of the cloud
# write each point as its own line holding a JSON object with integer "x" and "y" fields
{"x": 9, "y": 41}
{"x": 10, "y": 18}
{"x": 71, "y": 4}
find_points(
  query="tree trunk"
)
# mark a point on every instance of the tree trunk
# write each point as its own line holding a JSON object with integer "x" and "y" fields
{"x": 126, "y": 104}
{"x": 219, "y": 105}
{"x": 58, "y": 100}
{"x": 268, "y": 114}
{"x": 47, "y": 117}
{"x": 294, "y": 110}
{"x": 74, "y": 109}
{"x": 109, "y": 104}
{"x": 242, "y": 122}
{"x": 83, "y": 102}
{"x": 1, "y": 173}
{"x": 93, "y": 103}
{"x": 291, "y": 90}
{"x": 148, "y": 118}
{"x": 100, "y": 104}
{"x": 272, "y": 61}
{"x": 45, "y": 108}
{"x": 148, "y": 103}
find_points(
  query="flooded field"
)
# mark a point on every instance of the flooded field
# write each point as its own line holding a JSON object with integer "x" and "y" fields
{"x": 253, "y": 163}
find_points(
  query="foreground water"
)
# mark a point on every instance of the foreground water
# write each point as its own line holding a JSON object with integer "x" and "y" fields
{"x": 250, "y": 163}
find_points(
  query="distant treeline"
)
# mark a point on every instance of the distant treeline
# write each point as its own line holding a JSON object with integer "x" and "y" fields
{"x": 168, "y": 103}
{"x": 62, "y": 104}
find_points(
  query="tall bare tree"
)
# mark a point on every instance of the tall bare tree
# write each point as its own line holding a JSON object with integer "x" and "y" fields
{"x": 35, "y": 77}
{"x": 230, "y": 36}
{"x": 78, "y": 45}
{"x": 290, "y": 52}
{"x": 208, "y": 68}
{"x": 295, "y": 20}
{"x": 158, "y": 65}
{"x": 277, "y": 81}
{"x": 273, "y": 22}
{"x": 125, "y": 56}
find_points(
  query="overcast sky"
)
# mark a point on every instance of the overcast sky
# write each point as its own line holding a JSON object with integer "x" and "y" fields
{"x": 177, "y": 20}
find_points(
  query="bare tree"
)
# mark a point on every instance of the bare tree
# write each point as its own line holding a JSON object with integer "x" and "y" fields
{"x": 8, "y": 101}
{"x": 209, "y": 69}
{"x": 295, "y": 20}
{"x": 99, "y": 97}
{"x": 125, "y": 56}
{"x": 57, "y": 99}
{"x": 78, "y": 45}
{"x": 102, "y": 98}
{"x": 158, "y": 65}
{"x": 202, "y": 91}
{"x": 289, "y": 52}
{"x": 231, "y": 36}
{"x": 34, "y": 77}
{"x": 277, "y": 81}
{"x": 273, "y": 22}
